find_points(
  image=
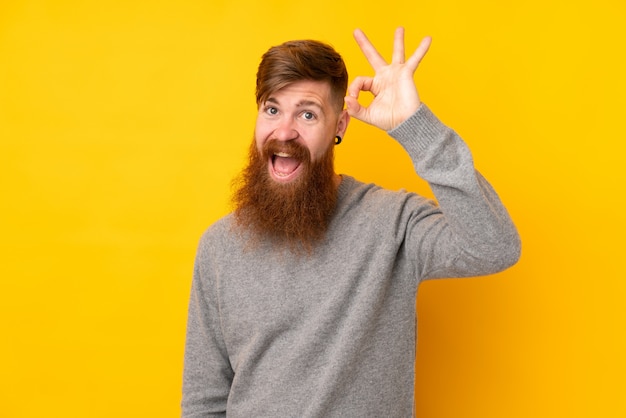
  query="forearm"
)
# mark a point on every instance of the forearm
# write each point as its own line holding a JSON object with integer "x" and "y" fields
{"x": 476, "y": 220}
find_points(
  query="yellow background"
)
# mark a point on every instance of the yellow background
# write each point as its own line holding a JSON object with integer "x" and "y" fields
{"x": 123, "y": 122}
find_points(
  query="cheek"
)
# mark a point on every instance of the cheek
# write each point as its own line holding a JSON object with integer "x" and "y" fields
{"x": 319, "y": 149}
{"x": 260, "y": 135}
{"x": 258, "y": 140}
{"x": 325, "y": 140}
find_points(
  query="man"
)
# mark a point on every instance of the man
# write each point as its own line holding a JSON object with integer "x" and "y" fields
{"x": 303, "y": 299}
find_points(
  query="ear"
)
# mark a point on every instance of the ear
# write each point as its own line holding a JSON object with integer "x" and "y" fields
{"x": 342, "y": 123}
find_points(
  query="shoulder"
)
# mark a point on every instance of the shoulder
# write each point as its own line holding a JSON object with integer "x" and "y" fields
{"x": 217, "y": 234}
{"x": 372, "y": 198}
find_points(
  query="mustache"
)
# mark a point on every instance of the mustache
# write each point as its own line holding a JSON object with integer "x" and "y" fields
{"x": 293, "y": 148}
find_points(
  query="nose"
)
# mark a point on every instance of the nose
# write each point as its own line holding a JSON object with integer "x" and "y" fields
{"x": 286, "y": 130}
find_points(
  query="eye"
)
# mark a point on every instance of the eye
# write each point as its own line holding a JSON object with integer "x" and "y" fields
{"x": 271, "y": 110}
{"x": 308, "y": 115}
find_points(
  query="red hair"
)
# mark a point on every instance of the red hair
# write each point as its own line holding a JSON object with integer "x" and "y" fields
{"x": 300, "y": 60}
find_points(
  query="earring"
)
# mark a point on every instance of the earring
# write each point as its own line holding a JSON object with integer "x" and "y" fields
{"x": 337, "y": 140}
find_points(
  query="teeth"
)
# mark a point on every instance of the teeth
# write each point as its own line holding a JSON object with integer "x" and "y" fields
{"x": 281, "y": 154}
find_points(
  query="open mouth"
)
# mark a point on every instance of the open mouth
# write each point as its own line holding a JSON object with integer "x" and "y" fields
{"x": 283, "y": 166}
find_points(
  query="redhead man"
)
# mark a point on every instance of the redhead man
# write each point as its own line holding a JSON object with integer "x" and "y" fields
{"x": 303, "y": 299}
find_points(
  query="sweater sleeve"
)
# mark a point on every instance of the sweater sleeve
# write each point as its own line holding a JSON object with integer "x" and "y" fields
{"x": 473, "y": 233}
{"x": 207, "y": 374}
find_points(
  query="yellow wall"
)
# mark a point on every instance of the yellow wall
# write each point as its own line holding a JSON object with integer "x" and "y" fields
{"x": 122, "y": 123}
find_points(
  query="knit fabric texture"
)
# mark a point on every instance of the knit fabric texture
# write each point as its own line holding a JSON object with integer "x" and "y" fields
{"x": 333, "y": 333}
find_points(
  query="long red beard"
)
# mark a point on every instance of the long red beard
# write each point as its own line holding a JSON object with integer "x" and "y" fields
{"x": 295, "y": 215}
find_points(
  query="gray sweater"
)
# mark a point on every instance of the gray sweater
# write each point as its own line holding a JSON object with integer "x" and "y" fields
{"x": 271, "y": 334}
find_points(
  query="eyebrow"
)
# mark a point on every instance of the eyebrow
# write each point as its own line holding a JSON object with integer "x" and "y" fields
{"x": 303, "y": 103}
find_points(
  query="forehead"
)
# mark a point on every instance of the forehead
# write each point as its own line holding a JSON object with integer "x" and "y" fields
{"x": 304, "y": 91}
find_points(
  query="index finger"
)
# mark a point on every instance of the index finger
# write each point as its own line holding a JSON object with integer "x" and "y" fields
{"x": 372, "y": 55}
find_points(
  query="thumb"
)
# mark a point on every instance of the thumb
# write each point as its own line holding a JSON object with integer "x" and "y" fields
{"x": 354, "y": 108}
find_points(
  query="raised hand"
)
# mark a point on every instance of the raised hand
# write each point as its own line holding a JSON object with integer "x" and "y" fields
{"x": 395, "y": 95}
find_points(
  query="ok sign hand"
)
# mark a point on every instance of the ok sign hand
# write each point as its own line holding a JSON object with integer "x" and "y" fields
{"x": 395, "y": 95}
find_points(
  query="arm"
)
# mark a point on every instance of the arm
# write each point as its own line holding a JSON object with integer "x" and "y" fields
{"x": 207, "y": 373}
{"x": 475, "y": 234}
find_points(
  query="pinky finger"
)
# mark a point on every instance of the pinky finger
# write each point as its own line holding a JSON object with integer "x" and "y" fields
{"x": 419, "y": 53}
